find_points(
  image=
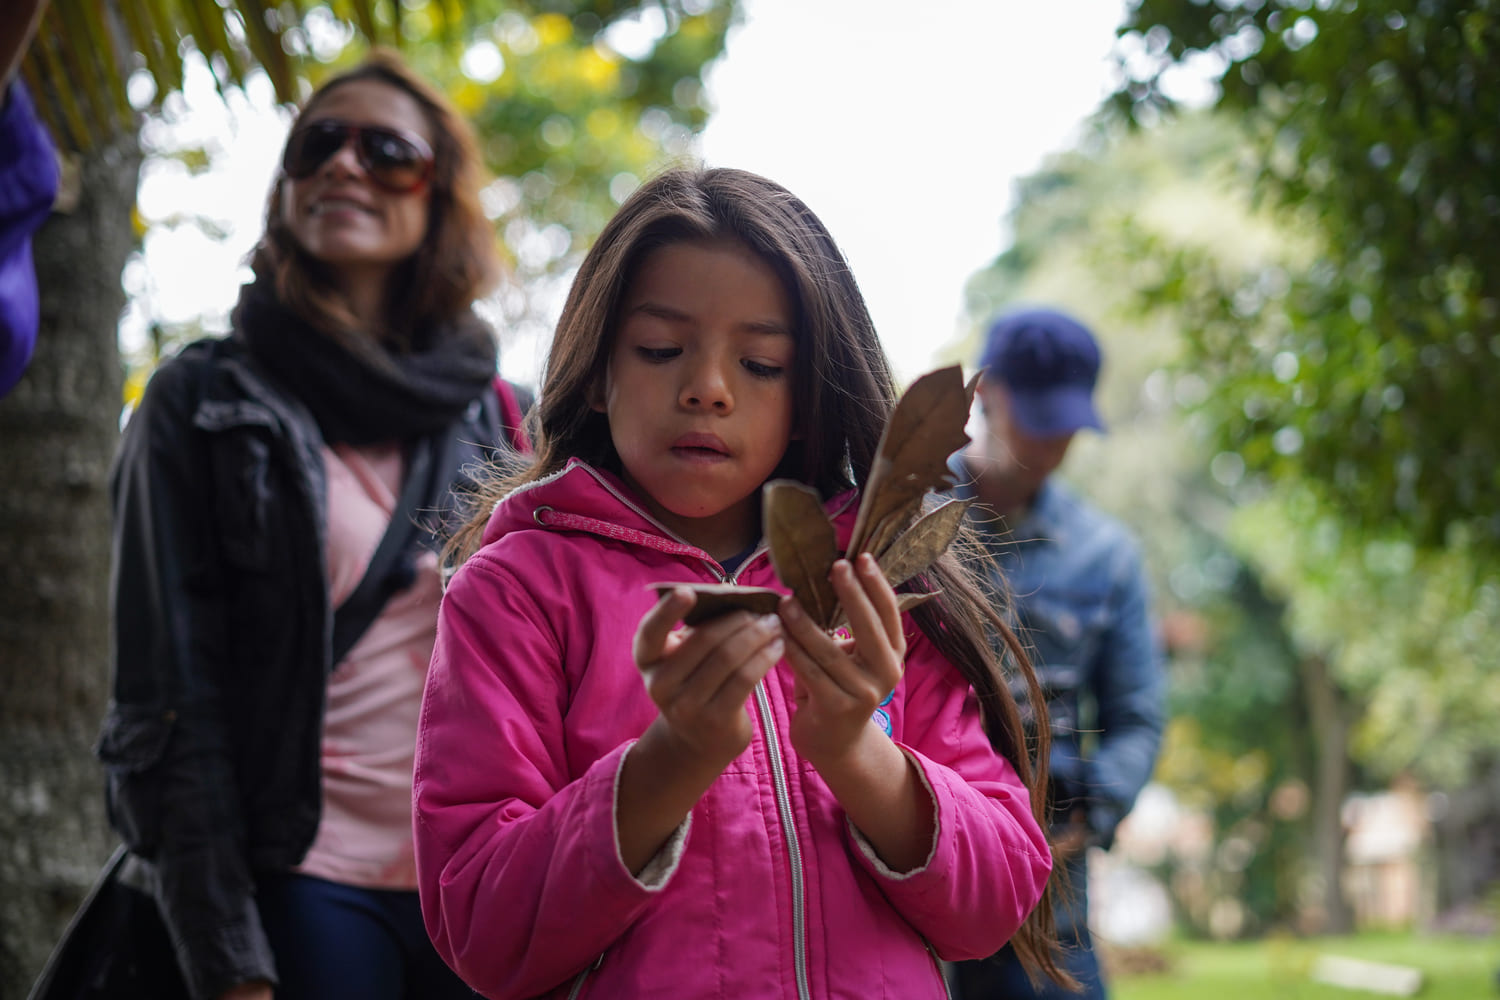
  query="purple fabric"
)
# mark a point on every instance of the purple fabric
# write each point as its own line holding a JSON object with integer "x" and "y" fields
{"x": 28, "y": 184}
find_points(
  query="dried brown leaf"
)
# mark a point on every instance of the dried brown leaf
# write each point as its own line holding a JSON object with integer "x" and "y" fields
{"x": 803, "y": 545}
{"x": 904, "y": 603}
{"x": 715, "y": 599}
{"x": 926, "y": 427}
{"x": 916, "y": 548}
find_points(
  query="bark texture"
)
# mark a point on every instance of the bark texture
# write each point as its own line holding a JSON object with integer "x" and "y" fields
{"x": 1332, "y": 717}
{"x": 58, "y": 432}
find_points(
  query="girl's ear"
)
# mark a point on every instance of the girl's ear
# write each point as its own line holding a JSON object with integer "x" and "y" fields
{"x": 595, "y": 395}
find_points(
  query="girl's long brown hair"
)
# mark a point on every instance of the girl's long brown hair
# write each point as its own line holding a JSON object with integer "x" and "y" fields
{"x": 458, "y": 260}
{"x": 844, "y": 394}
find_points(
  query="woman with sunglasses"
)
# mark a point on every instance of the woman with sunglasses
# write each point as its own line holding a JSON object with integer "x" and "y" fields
{"x": 278, "y": 498}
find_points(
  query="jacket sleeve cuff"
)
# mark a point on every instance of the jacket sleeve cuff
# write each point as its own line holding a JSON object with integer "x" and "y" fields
{"x": 245, "y": 957}
{"x": 663, "y": 865}
{"x": 867, "y": 849}
{"x": 215, "y": 957}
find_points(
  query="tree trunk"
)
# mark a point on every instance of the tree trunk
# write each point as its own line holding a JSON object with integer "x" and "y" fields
{"x": 1330, "y": 715}
{"x": 58, "y": 431}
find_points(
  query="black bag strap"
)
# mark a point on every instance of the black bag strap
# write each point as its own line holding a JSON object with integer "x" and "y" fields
{"x": 71, "y": 965}
{"x": 386, "y": 573}
{"x": 115, "y": 947}
{"x": 434, "y": 465}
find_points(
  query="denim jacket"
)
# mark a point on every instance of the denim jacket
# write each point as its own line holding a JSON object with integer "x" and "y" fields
{"x": 1078, "y": 596}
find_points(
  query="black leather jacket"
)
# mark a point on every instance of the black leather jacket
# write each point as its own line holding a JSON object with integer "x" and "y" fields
{"x": 222, "y": 646}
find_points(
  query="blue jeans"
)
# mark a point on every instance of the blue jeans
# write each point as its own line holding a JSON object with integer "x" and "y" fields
{"x": 341, "y": 942}
{"x": 1002, "y": 977}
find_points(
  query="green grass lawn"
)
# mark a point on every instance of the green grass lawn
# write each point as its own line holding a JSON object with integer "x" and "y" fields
{"x": 1454, "y": 968}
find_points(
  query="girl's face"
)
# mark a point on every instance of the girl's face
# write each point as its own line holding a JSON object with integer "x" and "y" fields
{"x": 698, "y": 391}
{"x": 340, "y": 211}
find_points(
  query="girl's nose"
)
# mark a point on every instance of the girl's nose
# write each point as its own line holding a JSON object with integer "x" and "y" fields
{"x": 707, "y": 388}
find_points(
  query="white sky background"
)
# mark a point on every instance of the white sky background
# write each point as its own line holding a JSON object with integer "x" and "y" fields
{"x": 903, "y": 125}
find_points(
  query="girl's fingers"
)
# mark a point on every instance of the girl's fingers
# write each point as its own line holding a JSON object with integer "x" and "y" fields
{"x": 822, "y": 662}
{"x": 869, "y": 664}
{"x": 656, "y": 625}
{"x": 869, "y": 601}
{"x": 695, "y": 663}
{"x": 817, "y": 680}
{"x": 799, "y": 625}
{"x": 739, "y": 682}
{"x": 717, "y": 653}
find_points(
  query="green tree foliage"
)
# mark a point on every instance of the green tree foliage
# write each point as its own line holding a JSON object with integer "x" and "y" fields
{"x": 1370, "y": 370}
{"x": 585, "y": 104}
{"x": 1412, "y": 635}
{"x": 1353, "y": 356}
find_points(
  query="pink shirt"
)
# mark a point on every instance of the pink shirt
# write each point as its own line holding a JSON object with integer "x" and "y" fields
{"x": 375, "y": 693}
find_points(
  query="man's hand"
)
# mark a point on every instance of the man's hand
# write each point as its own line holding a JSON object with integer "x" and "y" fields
{"x": 1071, "y": 839}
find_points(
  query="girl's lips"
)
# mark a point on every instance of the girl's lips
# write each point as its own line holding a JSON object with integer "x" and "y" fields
{"x": 700, "y": 447}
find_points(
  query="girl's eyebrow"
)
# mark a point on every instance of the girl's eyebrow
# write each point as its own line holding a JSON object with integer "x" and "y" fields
{"x": 769, "y": 327}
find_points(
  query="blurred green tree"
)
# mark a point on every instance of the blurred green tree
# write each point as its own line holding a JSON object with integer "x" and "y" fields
{"x": 1372, "y": 371}
{"x": 1358, "y": 370}
{"x": 574, "y": 99}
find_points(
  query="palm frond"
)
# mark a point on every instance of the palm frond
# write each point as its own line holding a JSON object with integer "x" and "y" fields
{"x": 85, "y": 52}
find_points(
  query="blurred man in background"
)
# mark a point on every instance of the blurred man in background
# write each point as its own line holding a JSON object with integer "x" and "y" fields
{"x": 1073, "y": 581}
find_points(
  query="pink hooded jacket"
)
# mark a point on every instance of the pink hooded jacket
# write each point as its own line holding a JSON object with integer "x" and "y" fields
{"x": 766, "y": 890}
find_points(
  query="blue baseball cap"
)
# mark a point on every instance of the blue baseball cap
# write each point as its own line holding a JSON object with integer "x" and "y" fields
{"x": 1048, "y": 362}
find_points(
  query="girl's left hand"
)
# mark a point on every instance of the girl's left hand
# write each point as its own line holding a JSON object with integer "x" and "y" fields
{"x": 840, "y": 682}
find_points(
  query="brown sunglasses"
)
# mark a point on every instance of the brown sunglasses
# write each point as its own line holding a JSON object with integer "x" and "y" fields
{"x": 397, "y": 161}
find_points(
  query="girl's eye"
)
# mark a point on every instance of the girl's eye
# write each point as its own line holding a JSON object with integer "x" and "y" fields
{"x": 761, "y": 370}
{"x": 658, "y": 355}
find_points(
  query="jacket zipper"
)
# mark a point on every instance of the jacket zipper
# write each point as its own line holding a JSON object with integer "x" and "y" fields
{"x": 778, "y": 778}
{"x": 937, "y": 963}
{"x": 583, "y": 976}
{"x": 793, "y": 847}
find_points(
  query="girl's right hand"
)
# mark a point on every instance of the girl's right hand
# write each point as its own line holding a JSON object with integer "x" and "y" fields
{"x": 248, "y": 991}
{"x": 700, "y": 677}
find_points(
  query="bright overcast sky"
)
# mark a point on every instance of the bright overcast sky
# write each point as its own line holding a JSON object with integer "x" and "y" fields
{"x": 904, "y": 125}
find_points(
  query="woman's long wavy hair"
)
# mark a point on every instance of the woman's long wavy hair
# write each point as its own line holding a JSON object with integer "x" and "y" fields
{"x": 844, "y": 394}
{"x": 457, "y": 262}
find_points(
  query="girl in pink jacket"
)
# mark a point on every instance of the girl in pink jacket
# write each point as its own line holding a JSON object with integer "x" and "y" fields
{"x": 610, "y": 804}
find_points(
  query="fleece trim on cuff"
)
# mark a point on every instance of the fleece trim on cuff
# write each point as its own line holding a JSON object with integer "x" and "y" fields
{"x": 663, "y": 864}
{"x": 868, "y": 849}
